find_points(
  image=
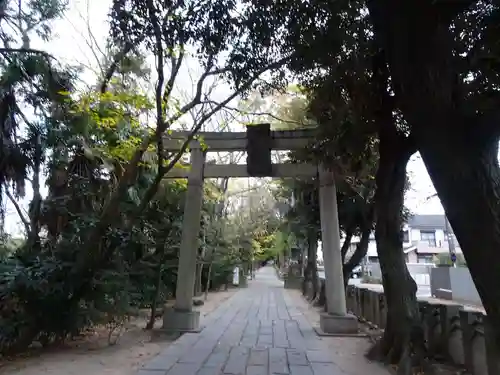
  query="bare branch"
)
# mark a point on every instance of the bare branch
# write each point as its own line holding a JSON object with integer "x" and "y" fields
{"x": 108, "y": 74}
{"x": 269, "y": 114}
{"x": 161, "y": 172}
{"x": 6, "y": 51}
{"x": 160, "y": 122}
{"x": 176, "y": 66}
{"x": 19, "y": 212}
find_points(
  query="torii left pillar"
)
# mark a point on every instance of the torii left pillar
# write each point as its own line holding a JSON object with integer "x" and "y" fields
{"x": 181, "y": 317}
{"x": 336, "y": 320}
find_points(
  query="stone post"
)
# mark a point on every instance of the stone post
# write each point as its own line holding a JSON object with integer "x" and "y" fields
{"x": 182, "y": 317}
{"x": 336, "y": 320}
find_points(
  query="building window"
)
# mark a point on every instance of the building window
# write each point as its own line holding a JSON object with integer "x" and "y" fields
{"x": 405, "y": 235}
{"x": 429, "y": 237}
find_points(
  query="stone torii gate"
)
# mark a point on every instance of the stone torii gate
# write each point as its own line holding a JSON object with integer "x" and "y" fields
{"x": 258, "y": 141}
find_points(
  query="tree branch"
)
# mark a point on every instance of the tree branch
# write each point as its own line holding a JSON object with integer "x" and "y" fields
{"x": 161, "y": 173}
{"x": 256, "y": 113}
{"x": 160, "y": 107}
{"x": 347, "y": 243}
{"x": 118, "y": 57}
{"x": 25, "y": 221}
{"x": 359, "y": 253}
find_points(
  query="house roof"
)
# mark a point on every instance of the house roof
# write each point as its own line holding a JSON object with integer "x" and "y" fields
{"x": 427, "y": 222}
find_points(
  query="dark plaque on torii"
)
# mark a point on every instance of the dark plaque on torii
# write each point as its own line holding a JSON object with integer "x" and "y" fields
{"x": 259, "y": 146}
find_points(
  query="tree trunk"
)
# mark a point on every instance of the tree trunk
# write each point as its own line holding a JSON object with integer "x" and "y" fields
{"x": 36, "y": 203}
{"x": 311, "y": 271}
{"x": 345, "y": 246}
{"x": 197, "y": 285}
{"x": 207, "y": 285}
{"x": 458, "y": 144}
{"x": 403, "y": 340}
{"x": 359, "y": 253}
{"x": 154, "y": 301}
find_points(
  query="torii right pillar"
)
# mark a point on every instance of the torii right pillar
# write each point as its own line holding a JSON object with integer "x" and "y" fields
{"x": 336, "y": 320}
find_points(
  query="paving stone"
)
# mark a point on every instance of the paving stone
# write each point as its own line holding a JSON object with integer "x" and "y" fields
{"x": 280, "y": 339}
{"x": 198, "y": 355}
{"x": 281, "y": 343}
{"x": 237, "y": 361}
{"x": 217, "y": 359}
{"x": 266, "y": 330}
{"x": 258, "y": 357}
{"x": 184, "y": 369}
{"x": 257, "y": 370}
{"x": 265, "y": 340}
{"x": 150, "y": 372}
{"x": 260, "y": 330}
{"x": 297, "y": 358}
{"x": 319, "y": 356}
{"x": 249, "y": 341}
{"x": 326, "y": 369}
{"x": 209, "y": 371}
{"x": 301, "y": 370}
{"x": 278, "y": 363}
{"x": 161, "y": 362}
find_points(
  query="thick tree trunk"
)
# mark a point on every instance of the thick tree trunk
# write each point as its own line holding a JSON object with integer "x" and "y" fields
{"x": 345, "y": 246}
{"x": 458, "y": 146}
{"x": 311, "y": 271}
{"x": 36, "y": 203}
{"x": 359, "y": 253}
{"x": 209, "y": 276}
{"x": 154, "y": 302}
{"x": 198, "y": 289}
{"x": 403, "y": 340}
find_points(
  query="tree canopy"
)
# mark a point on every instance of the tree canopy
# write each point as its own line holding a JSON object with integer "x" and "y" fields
{"x": 378, "y": 79}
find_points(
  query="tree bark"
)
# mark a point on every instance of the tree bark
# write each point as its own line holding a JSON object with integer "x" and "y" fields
{"x": 359, "y": 252}
{"x": 36, "y": 203}
{"x": 403, "y": 341}
{"x": 345, "y": 246}
{"x": 154, "y": 302}
{"x": 209, "y": 275}
{"x": 311, "y": 271}
{"x": 458, "y": 144}
{"x": 197, "y": 284}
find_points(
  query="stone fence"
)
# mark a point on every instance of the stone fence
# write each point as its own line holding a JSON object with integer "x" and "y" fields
{"x": 453, "y": 332}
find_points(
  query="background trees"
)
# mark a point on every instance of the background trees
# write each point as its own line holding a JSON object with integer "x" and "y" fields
{"x": 105, "y": 238}
{"x": 380, "y": 79}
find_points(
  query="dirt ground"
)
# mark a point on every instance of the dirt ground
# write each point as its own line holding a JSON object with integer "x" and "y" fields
{"x": 93, "y": 356}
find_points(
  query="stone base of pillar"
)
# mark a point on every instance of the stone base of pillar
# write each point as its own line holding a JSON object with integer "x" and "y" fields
{"x": 180, "y": 321}
{"x": 243, "y": 282}
{"x": 331, "y": 324}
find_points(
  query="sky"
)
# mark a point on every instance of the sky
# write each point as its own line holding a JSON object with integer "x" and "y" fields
{"x": 73, "y": 44}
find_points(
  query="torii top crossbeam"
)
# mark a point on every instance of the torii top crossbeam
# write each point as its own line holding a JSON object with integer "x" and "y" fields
{"x": 237, "y": 141}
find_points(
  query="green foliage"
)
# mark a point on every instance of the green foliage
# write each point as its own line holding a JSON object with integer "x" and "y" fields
{"x": 282, "y": 243}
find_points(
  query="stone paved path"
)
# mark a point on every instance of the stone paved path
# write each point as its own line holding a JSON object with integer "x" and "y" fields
{"x": 258, "y": 331}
